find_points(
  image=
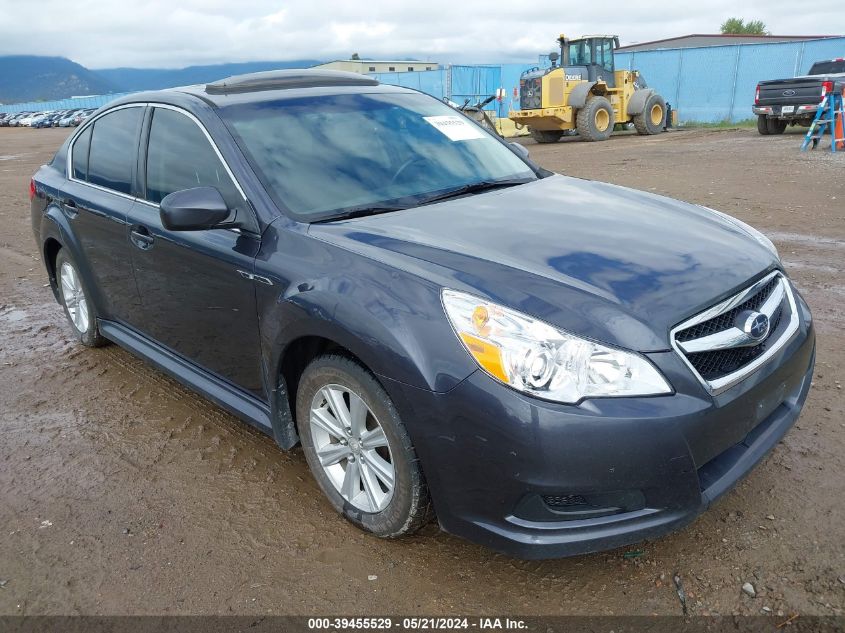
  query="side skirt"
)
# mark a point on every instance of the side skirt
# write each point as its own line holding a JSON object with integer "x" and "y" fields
{"x": 247, "y": 407}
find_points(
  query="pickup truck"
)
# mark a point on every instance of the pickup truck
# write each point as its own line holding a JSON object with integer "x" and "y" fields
{"x": 782, "y": 102}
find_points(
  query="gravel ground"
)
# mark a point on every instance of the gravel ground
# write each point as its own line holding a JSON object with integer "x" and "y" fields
{"x": 122, "y": 492}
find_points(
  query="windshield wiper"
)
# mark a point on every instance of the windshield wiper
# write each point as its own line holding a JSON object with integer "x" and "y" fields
{"x": 362, "y": 211}
{"x": 375, "y": 209}
{"x": 475, "y": 187}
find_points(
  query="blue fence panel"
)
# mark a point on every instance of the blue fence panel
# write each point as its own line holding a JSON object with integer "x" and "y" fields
{"x": 660, "y": 70}
{"x": 717, "y": 83}
{"x": 475, "y": 83}
{"x": 432, "y": 82}
{"x": 62, "y": 104}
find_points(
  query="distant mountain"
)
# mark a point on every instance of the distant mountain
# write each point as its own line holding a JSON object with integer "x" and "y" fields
{"x": 33, "y": 78}
{"x": 133, "y": 79}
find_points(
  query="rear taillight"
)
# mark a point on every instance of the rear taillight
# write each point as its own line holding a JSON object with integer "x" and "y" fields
{"x": 827, "y": 86}
{"x": 31, "y": 188}
{"x": 757, "y": 95}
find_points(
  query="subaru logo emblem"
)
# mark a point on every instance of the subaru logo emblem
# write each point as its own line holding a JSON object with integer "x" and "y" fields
{"x": 788, "y": 93}
{"x": 755, "y": 325}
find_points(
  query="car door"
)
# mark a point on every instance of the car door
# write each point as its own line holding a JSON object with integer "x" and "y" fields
{"x": 196, "y": 286}
{"x": 97, "y": 198}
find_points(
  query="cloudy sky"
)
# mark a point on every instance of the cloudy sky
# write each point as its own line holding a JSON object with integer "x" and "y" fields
{"x": 176, "y": 33}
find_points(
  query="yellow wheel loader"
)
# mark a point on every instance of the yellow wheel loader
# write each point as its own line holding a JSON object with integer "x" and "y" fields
{"x": 586, "y": 93}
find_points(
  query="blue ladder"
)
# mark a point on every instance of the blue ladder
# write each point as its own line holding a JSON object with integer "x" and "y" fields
{"x": 825, "y": 122}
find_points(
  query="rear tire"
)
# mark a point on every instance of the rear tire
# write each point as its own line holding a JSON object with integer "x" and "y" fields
{"x": 76, "y": 301}
{"x": 776, "y": 126}
{"x": 546, "y": 136}
{"x": 595, "y": 120}
{"x": 653, "y": 117}
{"x": 365, "y": 463}
{"x": 763, "y": 124}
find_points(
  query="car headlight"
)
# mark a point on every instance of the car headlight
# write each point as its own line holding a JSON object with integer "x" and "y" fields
{"x": 748, "y": 230}
{"x": 541, "y": 360}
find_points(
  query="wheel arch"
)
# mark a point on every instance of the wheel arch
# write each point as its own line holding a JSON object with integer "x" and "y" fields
{"x": 56, "y": 235}
{"x": 50, "y": 251}
{"x": 300, "y": 344}
{"x": 579, "y": 94}
{"x": 638, "y": 100}
{"x": 291, "y": 362}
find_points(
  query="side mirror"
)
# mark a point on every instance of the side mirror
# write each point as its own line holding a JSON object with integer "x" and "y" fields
{"x": 520, "y": 149}
{"x": 193, "y": 209}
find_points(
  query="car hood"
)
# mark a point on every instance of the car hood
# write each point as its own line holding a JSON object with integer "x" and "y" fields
{"x": 607, "y": 262}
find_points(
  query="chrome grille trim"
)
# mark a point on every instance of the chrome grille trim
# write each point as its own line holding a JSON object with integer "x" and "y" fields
{"x": 734, "y": 337}
{"x": 722, "y": 338}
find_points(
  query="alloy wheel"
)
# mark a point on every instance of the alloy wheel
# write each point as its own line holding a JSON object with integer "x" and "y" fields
{"x": 74, "y": 298}
{"x": 352, "y": 448}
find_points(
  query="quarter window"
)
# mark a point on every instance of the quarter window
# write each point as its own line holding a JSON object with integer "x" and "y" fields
{"x": 80, "y": 155}
{"x": 111, "y": 158}
{"x": 180, "y": 157}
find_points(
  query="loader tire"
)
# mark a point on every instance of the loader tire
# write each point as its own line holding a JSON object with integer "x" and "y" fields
{"x": 763, "y": 124}
{"x": 595, "y": 120}
{"x": 546, "y": 136}
{"x": 653, "y": 117}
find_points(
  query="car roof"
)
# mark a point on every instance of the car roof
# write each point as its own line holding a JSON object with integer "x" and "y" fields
{"x": 266, "y": 86}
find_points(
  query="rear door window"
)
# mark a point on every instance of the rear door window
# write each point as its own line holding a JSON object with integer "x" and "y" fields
{"x": 114, "y": 146}
{"x": 180, "y": 156}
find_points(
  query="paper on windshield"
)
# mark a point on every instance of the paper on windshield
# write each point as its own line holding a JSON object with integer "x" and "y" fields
{"x": 455, "y": 128}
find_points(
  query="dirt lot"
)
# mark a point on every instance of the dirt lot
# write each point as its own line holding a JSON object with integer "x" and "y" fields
{"x": 123, "y": 492}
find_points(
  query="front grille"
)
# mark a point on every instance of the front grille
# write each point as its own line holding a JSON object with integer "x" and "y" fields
{"x": 726, "y": 319}
{"x": 714, "y": 345}
{"x": 719, "y": 363}
{"x": 531, "y": 93}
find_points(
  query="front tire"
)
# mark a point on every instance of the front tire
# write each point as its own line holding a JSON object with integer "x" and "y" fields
{"x": 595, "y": 120}
{"x": 76, "y": 301}
{"x": 653, "y": 117}
{"x": 358, "y": 449}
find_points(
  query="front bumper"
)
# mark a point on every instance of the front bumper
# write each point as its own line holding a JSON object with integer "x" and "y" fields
{"x": 493, "y": 457}
{"x": 559, "y": 118}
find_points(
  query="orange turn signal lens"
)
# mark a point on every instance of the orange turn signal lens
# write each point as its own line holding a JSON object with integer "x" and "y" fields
{"x": 480, "y": 319}
{"x": 488, "y": 355}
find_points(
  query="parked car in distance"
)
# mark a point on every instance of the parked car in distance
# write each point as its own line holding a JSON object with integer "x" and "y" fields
{"x": 26, "y": 119}
{"x": 67, "y": 119}
{"x": 548, "y": 365}
{"x": 782, "y": 102}
{"x": 15, "y": 120}
{"x": 46, "y": 120}
{"x": 82, "y": 116}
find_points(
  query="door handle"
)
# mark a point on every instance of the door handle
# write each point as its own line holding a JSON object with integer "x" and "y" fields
{"x": 140, "y": 237}
{"x": 69, "y": 207}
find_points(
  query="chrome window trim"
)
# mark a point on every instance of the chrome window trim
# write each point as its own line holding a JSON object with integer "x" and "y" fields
{"x": 78, "y": 133}
{"x": 154, "y": 104}
{"x": 210, "y": 140}
{"x": 715, "y": 387}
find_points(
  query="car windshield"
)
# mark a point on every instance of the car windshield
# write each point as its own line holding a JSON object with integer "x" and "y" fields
{"x": 828, "y": 68}
{"x": 325, "y": 156}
